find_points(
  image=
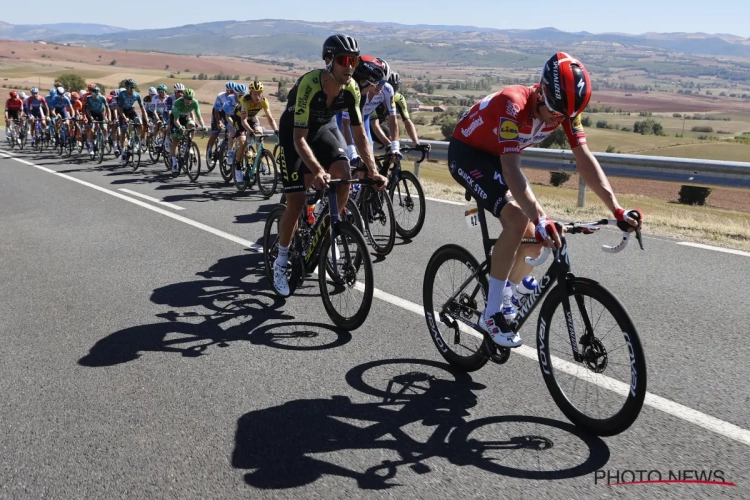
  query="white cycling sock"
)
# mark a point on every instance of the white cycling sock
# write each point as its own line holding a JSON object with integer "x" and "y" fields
{"x": 283, "y": 257}
{"x": 494, "y": 297}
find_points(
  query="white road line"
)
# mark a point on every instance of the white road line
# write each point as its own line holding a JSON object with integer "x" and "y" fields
{"x": 217, "y": 232}
{"x": 155, "y": 200}
{"x": 685, "y": 413}
{"x": 440, "y": 200}
{"x": 717, "y": 249}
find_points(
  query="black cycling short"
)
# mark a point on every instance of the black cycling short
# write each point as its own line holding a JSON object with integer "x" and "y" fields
{"x": 13, "y": 114}
{"x": 97, "y": 117}
{"x": 239, "y": 130}
{"x": 479, "y": 172}
{"x": 327, "y": 145}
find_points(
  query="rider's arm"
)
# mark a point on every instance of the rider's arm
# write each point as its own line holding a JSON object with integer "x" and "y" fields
{"x": 519, "y": 186}
{"x": 375, "y": 128}
{"x": 197, "y": 111}
{"x": 364, "y": 149}
{"x": 271, "y": 121}
{"x": 588, "y": 167}
{"x": 346, "y": 128}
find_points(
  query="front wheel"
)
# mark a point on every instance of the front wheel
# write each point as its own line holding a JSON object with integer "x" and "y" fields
{"x": 610, "y": 357}
{"x": 347, "y": 294}
{"x": 266, "y": 174}
{"x": 379, "y": 221}
{"x": 192, "y": 162}
{"x": 408, "y": 204}
{"x": 294, "y": 271}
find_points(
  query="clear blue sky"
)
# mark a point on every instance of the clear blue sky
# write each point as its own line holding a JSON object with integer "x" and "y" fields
{"x": 626, "y": 16}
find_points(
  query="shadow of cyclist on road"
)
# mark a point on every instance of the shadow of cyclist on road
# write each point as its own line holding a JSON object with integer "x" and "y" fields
{"x": 227, "y": 305}
{"x": 420, "y": 422}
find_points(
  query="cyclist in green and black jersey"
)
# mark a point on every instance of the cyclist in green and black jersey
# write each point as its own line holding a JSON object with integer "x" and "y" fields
{"x": 311, "y": 147}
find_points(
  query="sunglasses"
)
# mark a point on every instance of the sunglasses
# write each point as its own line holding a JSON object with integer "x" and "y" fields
{"x": 345, "y": 61}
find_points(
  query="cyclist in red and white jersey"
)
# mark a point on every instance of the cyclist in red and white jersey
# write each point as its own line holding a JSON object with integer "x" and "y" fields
{"x": 484, "y": 156}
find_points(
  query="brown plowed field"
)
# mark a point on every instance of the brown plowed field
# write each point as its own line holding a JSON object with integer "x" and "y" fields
{"x": 729, "y": 199}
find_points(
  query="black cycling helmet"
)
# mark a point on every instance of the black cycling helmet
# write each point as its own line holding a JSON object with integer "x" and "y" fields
{"x": 369, "y": 69}
{"x": 336, "y": 45}
{"x": 394, "y": 80}
{"x": 130, "y": 83}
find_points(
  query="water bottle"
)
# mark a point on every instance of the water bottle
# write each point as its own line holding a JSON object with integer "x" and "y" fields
{"x": 526, "y": 287}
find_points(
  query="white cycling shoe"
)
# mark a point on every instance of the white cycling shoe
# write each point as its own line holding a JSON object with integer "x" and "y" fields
{"x": 280, "y": 281}
{"x": 499, "y": 337}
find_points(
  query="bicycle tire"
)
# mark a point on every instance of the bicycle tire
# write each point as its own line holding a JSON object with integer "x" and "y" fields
{"x": 70, "y": 145}
{"x": 630, "y": 410}
{"x": 267, "y": 181}
{"x": 135, "y": 153}
{"x": 405, "y": 204}
{"x": 225, "y": 169}
{"x": 153, "y": 153}
{"x": 249, "y": 165}
{"x": 241, "y": 185}
{"x": 166, "y": 151}
{"x": 474, "y": 359}
{"x": 81, "y": 141}
{"x": 192, "y": 162}
{"x": 347, "y": 232}
{"x": 213, "y": 159}
{"x": 376, "y": 208}
{"x": 271, "y": 251}
{"x": 24, "y": 134}
{"x": 100, "y": 147}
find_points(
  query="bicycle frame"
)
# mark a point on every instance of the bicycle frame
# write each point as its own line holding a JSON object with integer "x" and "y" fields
{"x": 559, "y": 271}
{"x": 327, "y": 219}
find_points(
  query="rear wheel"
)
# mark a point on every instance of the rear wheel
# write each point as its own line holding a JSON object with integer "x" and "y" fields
{"x": 193, "y": 162}
{"x": 294, "y": 272}
{"x": 449, "y": 267}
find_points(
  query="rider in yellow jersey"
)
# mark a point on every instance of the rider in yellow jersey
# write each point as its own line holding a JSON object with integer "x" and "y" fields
{"x": 250, "y": 105}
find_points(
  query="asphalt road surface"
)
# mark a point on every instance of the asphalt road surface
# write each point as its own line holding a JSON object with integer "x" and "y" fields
{"x": 144, "y": 356}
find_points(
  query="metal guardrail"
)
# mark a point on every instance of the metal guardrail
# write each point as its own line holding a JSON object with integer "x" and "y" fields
{"x": 660, "y": 168}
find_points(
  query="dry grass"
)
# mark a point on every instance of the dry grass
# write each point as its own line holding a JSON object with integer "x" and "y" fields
{"x": 664, "y": 218}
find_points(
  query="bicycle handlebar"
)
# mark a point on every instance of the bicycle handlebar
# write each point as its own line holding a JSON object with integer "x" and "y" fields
{"x": 589, "y": 228}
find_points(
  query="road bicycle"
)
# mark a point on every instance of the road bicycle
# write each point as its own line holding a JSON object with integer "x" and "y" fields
{"x": 376, "y": 209}
{"x": 345, "y": 273}
{"x": 454, "y": 297}
{"x": 188, "y": 155}
{"x": 258, "y": 167}
{"x": 406, "y": 192}
{"x": 132, "y": 145}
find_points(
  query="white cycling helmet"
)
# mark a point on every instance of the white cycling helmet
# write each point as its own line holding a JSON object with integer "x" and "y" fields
{"x": 23, "y": 95}
{"x": 179, "y": 86}
{"x": 60, "y": 90}
{"x": 67, "y": 94}
{"x": 152, "y": 91}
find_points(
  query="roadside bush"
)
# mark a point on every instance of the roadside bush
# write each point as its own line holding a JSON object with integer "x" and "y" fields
{"x": 557, "y": 179}
{"x": 610, "y": 149}
{"x": 113, "y": 62}
{"x": 447, "y": 127}
{"x": 586, "y": 121}
{"x": 72, "y": 82}
{"x": 419, "y": 120}
{"x": 648, "y": 127}
{"x": 601, "y": 124}
{"x": 676, "y": 115}
{"x": 556, "y": 140}
{"x": 693, "y": 195}
{"x": 702, "y": 129}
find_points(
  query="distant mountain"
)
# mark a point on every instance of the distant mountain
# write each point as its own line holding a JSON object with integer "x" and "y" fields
{"x": 452, "y": 45}
{"x": 48, "y": 31}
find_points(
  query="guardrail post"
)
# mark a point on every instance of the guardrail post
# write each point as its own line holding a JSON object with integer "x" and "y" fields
{"x": 581, "y": 191}
{"x": 416, "y": 169}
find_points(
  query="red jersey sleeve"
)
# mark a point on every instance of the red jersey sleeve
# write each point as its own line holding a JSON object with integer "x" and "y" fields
{"x": 574, "y": 132}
